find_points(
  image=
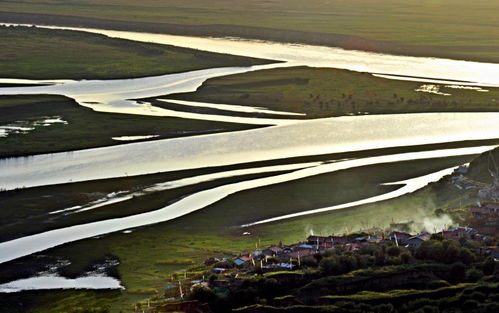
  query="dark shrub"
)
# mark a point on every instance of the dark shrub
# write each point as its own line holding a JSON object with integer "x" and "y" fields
{"x": 473, "y": 275}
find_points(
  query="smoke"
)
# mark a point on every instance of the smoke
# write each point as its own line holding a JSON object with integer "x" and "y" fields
{"x": 436, "y": 224}
{"x": 309, "y": 230}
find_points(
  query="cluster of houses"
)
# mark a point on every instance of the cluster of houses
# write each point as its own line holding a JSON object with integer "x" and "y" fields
{"x": 288, "y": 256}
{"x": 485, "y": 218}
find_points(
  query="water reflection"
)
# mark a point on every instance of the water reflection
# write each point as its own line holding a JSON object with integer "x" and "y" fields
{"x": 53, "y": 281}
{"x": 321, "y": 56}
{"x": 17, "y": 248}
{"x": 312, "y": 137}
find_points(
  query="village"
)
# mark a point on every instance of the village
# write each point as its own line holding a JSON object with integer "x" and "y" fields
{"x": 285, "y": 259}
{"x": 289, "y": 256}
{"x": 484, "y": 219}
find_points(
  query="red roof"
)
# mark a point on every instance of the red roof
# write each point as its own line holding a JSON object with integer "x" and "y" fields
{"x": 400, "y": 234}
{"x": 425, "y": 236}
{"x": 450, "y": 234}
{"x": 339, "y": 239}
{"x": 275, "y": 249}
{"x": 303, "y": 253}
{"x": 326, "y": 245}
{"x": 478, "y": 209}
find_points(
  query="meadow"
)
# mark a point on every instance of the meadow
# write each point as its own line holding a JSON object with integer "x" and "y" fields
{"x": 86, "y": 128}
{"x": 449, "y": 28}
{"x": 322, "y": 92}
{"x": 150, "y": 254}
{"x": 35, "y": 53}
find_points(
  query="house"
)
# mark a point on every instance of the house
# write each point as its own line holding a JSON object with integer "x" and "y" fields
{"x": 242, "y": 260}
{"x": 339, "y": 240}
{"x": 463, "y": 169}
{"x": 272, "y": 251}
{"x": 218, "y": 270}
{"x": 317, "y": 240}
{"x": 486, "y": 250}
{"x": 414, "y": 242}
{"x": 373, "y": 239}
{"x": 352, "y": 246}
{"x": 287, "y": 266}
{"x": 493, "y": 207}
{"x": 479, "y": 212}
{"x": 399, "y": 237}
{"x": 335, "y": 240}
{"x": 425, "y": 236}
{"x": 326, "y": 246}
{"x": 361, "y": 239}
{"x": 307, "y": 246}
{"x": 302, "y": 253}
{"x": 458, "y": 232}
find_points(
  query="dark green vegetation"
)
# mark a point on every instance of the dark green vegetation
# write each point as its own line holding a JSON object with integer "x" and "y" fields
{"x": 86, "y": 128}
{"x": 34, "y": 53}
{"x": 438, "y": 276}
{"x": 449, "y": 28}
{"x": 322, "y": 92}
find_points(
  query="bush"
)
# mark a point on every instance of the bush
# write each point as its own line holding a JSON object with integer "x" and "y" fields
{"x": 466, "y": 256}
{"x": 384, "y": 308}
{"x": 329, "y": 266}
{"x": 428, "y": 309}
{"x": 309, "y": 261}
{"x": 470, "y": 305}
{"x": 473, "y": 275}
{"x": 488, "y": 266}
{"x": 457, "y": 272}
{"x": 203, "y": 295}
{"x": 393, "y": 251}
{"x": 405, "y": 257}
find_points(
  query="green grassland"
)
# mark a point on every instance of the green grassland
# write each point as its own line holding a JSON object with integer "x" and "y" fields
{"x": 150, "y": 254}
{"x": 87, "y": 128}
{"x": 321, "y": 92}
{"x": 25, "y": 211}
{"x": 453, "y": 28}
{"x": 34, "y": 53}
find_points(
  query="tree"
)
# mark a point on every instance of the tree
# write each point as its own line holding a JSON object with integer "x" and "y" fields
{"x": 473, "y": 275}
{"x": 393, "y": 251}
{"x": 488, "y": 266}
{"x": 466, "y": 256}
{"x": 457, "y": 272}
{"x": 203, "y": 294}
{"x": 437, "y": 236}
{"x": 405, "y": 257}
{"x": 329, "y": 266}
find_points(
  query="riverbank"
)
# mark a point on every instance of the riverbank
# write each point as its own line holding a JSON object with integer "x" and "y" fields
{"x": 40, "y": 53}
{"x": 324, "y": 92}
{"x": 359, "y": 25}
{"x": 376, "y": 271}
{"x": 82, "y": 128}
{"x": 157, "y": 248}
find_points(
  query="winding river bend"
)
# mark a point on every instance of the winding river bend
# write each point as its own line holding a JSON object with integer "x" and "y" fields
{"x": 284, "y": 139}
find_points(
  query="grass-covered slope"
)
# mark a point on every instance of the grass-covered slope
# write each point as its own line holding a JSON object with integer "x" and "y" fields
{"x": 483, "y": 166}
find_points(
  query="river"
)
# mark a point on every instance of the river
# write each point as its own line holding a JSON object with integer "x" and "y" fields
{"x": 286, "y": 138}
